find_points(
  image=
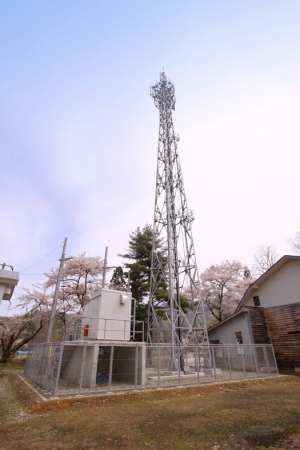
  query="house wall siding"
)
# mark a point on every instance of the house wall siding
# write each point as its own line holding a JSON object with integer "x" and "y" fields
{"x": 259, "y": 325}
{"x": 284, "y": 327}
{"x": 281, "y": 288}
{"x": 225, "y": 333}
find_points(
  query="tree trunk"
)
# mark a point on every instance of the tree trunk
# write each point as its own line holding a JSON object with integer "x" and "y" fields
{"x": 7, "y": 354}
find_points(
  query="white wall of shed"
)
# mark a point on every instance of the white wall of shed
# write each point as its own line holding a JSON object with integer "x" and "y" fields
{"x": 225, "y": 333}
{"x": 281, "y": 288}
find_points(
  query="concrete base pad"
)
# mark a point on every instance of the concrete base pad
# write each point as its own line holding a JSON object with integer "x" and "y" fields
{"x": 213, "y": 371}
{"x": 175, "y": 376}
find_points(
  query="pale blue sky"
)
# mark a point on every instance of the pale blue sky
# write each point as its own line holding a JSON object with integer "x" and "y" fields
{"x": 78, "y": 129}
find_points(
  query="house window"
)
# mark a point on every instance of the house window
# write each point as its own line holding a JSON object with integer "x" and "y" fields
{"x": 238, "y": 337}
{"x": 256, "y": 300}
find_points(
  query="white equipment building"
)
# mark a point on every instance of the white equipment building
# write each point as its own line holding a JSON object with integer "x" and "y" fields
{"x": 107, "y": 316}
{"x": 103, "y": 341}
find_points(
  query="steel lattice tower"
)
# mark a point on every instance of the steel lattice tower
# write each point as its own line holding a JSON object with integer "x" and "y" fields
{"x": 175, "y": 265}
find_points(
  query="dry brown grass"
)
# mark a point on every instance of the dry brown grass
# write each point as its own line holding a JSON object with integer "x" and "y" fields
{"x": 257, "y": 414}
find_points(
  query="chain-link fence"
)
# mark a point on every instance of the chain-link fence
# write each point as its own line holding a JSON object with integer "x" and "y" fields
{"x": 72, "y": 368}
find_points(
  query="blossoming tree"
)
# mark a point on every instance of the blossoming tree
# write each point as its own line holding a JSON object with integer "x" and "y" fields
{"x": 223, "y": 286}
{"x": 81, "y": 275}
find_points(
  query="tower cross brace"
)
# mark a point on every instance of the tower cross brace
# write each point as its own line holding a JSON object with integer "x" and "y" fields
{"x": 173, "y": 256}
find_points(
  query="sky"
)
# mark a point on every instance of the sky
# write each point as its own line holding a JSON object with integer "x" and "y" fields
{"x": 79, "y": 130}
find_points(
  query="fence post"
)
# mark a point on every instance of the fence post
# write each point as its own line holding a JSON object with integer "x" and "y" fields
{"x": 58, "y": 369}
{"x": 266, "y": 359}
{"x": 136, "y": 366}
{"x": 179, "y": 364}
{"x": 274, "y": 358}
{"x": 197, "y": 363}
{"x": 214, "y": 361}
{"x": 46, "y": 374}
{"x": 159, "y": 385}
{"x": 110, "y": 367}
{"x": 243, "y": 361}
{"x": 229, "y": 363}
{"x": 255, "y": 358}
{"x": 82, "y": 367}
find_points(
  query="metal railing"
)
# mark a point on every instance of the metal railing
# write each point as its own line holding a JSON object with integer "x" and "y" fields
{"x": 72, "y": 368}
{"x": 106, "y": 329}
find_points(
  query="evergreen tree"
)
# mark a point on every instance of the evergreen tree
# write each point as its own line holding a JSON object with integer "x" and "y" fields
{"x": 139, "y": 252}
{"x": 117, "y": 281}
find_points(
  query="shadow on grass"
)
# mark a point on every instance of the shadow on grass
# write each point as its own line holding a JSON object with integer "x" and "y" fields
{"x": 288, "y": 371}
{"x": 15, "y": 364}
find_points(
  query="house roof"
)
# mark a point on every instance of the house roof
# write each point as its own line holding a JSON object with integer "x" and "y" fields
{"x": 256, "y": 285}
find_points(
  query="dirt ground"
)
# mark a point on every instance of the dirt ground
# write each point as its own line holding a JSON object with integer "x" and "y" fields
{"x": 257, "y": 414}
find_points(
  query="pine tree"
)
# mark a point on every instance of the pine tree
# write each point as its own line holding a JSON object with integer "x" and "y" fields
{"x": 139, "y": 252}
{"x": 117, "y": 281}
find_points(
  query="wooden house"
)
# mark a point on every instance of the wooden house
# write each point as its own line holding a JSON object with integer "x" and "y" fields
{"x": 269, "y": 312}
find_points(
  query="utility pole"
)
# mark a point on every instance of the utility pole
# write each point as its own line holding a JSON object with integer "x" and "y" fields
{"x": 53, "y": 308}
{"x": 105, "y": 268}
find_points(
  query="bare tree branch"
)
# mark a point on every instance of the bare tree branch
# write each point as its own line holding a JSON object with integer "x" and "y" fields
{"x": 295, "y": 242}
{"x": 264, "y": 258}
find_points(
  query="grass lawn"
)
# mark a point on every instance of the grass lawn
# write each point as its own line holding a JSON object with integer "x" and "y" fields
{"x": 258, "y": 414}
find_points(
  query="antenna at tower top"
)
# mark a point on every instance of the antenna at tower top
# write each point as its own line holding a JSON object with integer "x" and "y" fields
{"x": 163, "y": 93}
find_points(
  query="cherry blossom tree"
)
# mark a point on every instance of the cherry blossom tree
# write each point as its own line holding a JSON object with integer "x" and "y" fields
{"x": 223, "y": 286}
{"x": 81, "y": 276}
{"x": 18, "y": 330}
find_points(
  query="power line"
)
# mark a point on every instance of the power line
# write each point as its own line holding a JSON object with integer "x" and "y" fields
{"x": 26, "y": 274}
{"x": 42, "y": 258}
